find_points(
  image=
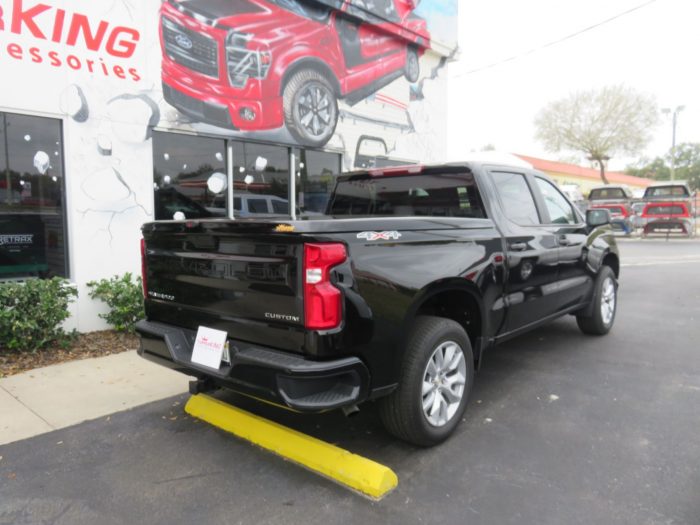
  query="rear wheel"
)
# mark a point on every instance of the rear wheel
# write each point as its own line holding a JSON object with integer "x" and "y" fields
{"x": 436, "y": 377}
{"x": 602, "y": 317}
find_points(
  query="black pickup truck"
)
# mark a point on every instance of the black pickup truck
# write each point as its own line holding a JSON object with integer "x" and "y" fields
{"x": 393, "y": 295}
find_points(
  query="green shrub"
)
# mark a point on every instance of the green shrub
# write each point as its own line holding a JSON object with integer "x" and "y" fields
{"x": 124, "y": 297}
{"x": 31, "y": 313}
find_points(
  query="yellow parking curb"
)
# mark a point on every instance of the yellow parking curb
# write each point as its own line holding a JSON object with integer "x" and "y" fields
{"x": 346, "y": 468}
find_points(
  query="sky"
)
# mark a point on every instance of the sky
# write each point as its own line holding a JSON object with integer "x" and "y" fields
{"x": 494, "y": 101}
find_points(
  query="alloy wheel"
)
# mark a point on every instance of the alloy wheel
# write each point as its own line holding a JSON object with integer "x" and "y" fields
{"x": 607, "y": 301}
{"x": 444, "y": 380}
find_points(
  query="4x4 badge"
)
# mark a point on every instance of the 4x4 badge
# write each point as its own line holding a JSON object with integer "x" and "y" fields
{"x": 379, "y": 236}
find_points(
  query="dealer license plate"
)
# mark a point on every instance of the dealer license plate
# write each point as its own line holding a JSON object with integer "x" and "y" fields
{"x": 209, "y": 347}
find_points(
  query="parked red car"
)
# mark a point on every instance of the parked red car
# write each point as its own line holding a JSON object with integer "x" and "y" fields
{"x": 668, "y": 217}
{"x": 259, "y": 64}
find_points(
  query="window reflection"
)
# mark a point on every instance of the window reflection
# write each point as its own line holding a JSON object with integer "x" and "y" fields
{"x": 189, "y": 175}
{"x": 261, "y": 179}
{"x": 32, "y": 222}
{"x": 191, "y": 178}
{"x": 316, "y": 174}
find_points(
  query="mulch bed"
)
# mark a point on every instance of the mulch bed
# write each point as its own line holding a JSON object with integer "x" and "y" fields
{"x": 93, "y": 344}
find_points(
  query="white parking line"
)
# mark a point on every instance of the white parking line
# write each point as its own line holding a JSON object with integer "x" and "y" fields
{"x": 654, "y": 262}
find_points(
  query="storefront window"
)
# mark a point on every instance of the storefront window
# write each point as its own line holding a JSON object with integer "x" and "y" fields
{"x": 189, "y": 176}
{"x": 261, "y": 179}
{"x": 316, "y": 173}
{"x": 32, "y": 210}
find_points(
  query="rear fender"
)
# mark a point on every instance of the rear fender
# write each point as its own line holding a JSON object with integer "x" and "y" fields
{"x": 468, "y": 299}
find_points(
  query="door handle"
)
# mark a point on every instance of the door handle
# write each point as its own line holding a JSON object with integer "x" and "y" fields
{"x": 518, "y": 246}
{"x": 564, "y": 241}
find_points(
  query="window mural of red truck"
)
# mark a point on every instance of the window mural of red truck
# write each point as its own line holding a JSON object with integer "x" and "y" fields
{"x": 254, "y": 65}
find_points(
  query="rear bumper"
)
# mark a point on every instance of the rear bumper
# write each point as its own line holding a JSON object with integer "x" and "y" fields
{"x": 275, "y": 376}
{"x": 670, "y": 225}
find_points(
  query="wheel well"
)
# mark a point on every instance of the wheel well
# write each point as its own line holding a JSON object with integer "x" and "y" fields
{"x": 614, "y": 263}
{"x": 314, "y": 64}
{"x": 458, "y": 305}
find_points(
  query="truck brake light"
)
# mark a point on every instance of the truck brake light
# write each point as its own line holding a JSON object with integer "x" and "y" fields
{"x": 144, "y": 268}
{"x": 323, "y": 307}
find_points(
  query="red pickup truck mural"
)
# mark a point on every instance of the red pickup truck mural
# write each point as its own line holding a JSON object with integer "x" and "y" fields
{"x": 255, "y": 65}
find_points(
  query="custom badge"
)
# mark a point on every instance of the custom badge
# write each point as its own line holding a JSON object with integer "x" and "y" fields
{"x": 379, "y": 236}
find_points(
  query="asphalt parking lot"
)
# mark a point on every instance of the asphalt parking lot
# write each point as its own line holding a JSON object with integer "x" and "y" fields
{"x": 561, "y": 428}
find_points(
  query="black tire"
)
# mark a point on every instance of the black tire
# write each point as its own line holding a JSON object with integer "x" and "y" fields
{"x": 596, "y": 323}
{"x": 310, "y": 108}
{"x": 412, "y": 68}
{"x": 402, "y": 411}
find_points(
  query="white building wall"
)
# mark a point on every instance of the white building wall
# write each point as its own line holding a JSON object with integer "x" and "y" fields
{"x": 108, "y": 121}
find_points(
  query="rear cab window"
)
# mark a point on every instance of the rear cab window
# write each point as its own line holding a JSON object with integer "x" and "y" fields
{"x": 606, "y": 194}
{"x": 667, "y": 191}
{"x": 428, "y": 194}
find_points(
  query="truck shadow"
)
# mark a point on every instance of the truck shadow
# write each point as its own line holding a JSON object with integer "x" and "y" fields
{"x": 555, "y": 348}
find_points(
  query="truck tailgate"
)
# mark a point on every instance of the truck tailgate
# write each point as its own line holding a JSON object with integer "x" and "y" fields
{"x": 241, "y": 278}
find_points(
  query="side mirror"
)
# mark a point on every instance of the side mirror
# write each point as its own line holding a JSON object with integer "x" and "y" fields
{"x": 597, "y": 217}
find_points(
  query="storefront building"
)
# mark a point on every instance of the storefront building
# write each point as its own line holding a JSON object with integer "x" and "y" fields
{"x": 116, "y": 113}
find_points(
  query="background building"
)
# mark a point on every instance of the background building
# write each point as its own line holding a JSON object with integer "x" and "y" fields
{"x": 585, "y": 178}
{"x": 116, "y": 113}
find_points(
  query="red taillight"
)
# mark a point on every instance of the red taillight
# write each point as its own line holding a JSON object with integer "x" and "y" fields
{"x": 323, "y": 302}
{"x": 144, "y": 268}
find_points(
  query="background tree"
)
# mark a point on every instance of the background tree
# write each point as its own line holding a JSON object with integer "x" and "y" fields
{"x": 687, "y": 166}
{"x": 656, "y": 169}
{"x": 601, "y": 123}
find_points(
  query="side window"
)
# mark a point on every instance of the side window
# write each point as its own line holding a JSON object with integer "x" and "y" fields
{"x": 280, "y": 207}
{"x": 257, "y": 206}
{"x": 560, "y": 211}
{"x": 518, "y": 202}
